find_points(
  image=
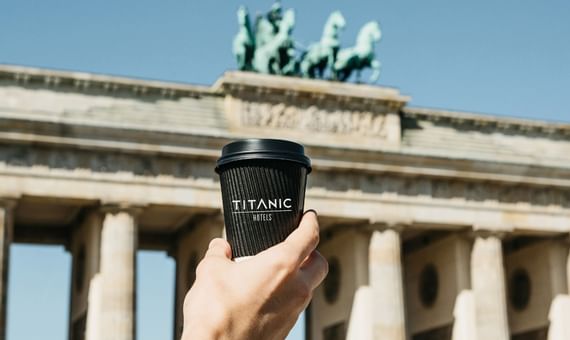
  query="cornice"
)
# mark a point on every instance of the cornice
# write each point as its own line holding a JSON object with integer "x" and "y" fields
{"x": 235, "y": 82}
{"x": 483, "y": 123}
{"x": 249, "y": 84}
{"x": 81, "y": 82}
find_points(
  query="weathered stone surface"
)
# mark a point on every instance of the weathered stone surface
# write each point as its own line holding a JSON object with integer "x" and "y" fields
{"x": 70, "y": 142}
{"x": 331, "y": 307}
{"x": 85, "y": 248}
{"x": 464, "y": 327}
{"x": 543, "y": 264}
{"x": 6, "y": 236}
{"x": 94, "y": 325}
{"x": 118, "y": 252}
{"x": 488, "y": 281}
{"x": 386, "y": 282}
{"x": 558, "y": 316}
{"x": 455, "y": 134}
{"x": 360, "y": 325}
{"x": 448, "y": 259}
{"x": 299, "y": 108}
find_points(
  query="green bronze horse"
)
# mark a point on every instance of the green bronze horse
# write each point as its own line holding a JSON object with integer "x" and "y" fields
{"x": 267, "y": 26}
{"x": 321, "y": 55}
{"x": 244, "y": 43}
{"x": 277, "y": 55}
{"x": 360, "y": 56}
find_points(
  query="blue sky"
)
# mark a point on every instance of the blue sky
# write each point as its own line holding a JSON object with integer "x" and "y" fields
{"x": 508, "y": 57}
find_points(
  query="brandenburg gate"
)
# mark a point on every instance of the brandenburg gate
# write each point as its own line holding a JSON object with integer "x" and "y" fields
{"x": 436, "y": 224}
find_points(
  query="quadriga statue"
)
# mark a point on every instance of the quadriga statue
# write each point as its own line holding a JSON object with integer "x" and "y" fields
{"x": 359, "y": 56}
{"x": 277, "y": 56}
{"x": 267, "y": 26}
{"x": 322, "y": 55}
{"x": 269, "y": 47}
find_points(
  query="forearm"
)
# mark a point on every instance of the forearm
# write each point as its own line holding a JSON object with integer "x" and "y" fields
{"x": 203, "y": 331}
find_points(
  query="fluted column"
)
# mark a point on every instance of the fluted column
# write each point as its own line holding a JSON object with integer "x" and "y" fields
{"x": 488, "y": 283}
{"x": 84, "y": 247}
{"x": 118, "y": 255}
{"x": 559, "y": 327}
{"x": 6, "y": 235}
{"x": 568, "y": 264}
{"x": 387, "y": 286}
{"x": 94, "y": 324}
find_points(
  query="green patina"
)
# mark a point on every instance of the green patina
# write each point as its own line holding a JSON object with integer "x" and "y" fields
{"x": 269, "y": 48}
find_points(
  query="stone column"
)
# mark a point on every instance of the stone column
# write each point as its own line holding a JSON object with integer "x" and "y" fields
{"x": 488, "y": 283}
{"x": 559, "y": 328}
{"x": 342, "y": 306}
{"x": 568, "y": 264}
{"x": 93, "y": 328}
{"x": 118, "y": 261}
{"x": 191, "y": 245}
{"x": 84, "y": 247}
{"x": 360, "y": 325}
{"x": 387, "y": 287}
{"x": 6, "y": 236}
{"x": 464, "y": 314}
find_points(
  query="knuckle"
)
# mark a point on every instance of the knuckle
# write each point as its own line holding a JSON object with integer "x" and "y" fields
{"x": 284, "y": 262}
{"x": 325, "y": 267}
{"x": 203, "y": 268}
{"x": 313, "y": 234}
{"x": 322, "y": 263}
{"x": 315, "y": 237}
{"x": 304, "y": 292}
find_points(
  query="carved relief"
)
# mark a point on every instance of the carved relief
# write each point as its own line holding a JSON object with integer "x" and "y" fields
{"x": 312, "y": 118}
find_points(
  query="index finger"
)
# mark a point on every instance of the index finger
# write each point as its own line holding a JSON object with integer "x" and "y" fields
{"x": 303, "y": 240}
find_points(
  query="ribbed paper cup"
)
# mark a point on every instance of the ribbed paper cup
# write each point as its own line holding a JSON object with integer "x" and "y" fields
{"x": 263, "y": 192}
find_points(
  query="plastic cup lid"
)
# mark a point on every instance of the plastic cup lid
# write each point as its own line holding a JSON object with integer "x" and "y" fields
{"x": 249, "y": 149}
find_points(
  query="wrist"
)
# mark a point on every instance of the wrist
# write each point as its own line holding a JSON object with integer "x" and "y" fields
{"x": 201, "y": 328}
{"x": 201, "y": 332}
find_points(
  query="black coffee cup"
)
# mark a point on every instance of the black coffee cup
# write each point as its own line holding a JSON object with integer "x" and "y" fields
{"x": 263, "y": 192}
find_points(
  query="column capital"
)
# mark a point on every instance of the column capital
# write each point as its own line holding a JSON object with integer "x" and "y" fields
{"x": 488, "y": 234}
{"x": 117, "y": 207}
{"x": 383, "y": 226}
{"x": 486, "y": 231}
{"x": 8, "y": 202}
{"x": 564, "y": 237}
{"x": 388, "y": 221}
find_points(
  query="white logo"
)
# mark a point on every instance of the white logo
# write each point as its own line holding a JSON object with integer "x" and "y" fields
{"x": 262, "y": 205}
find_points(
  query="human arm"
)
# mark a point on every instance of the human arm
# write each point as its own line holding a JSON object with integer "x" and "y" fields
{"x": 260, "y": 298}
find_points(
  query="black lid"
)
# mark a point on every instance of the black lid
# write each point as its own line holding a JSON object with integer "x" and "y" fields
{"x": 279, "y": 149}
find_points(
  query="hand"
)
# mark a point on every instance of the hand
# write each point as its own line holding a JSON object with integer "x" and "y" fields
{"x": 259, "y": 298}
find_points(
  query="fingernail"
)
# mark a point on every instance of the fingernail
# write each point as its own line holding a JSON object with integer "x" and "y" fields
{"x": 313, "y": 211}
